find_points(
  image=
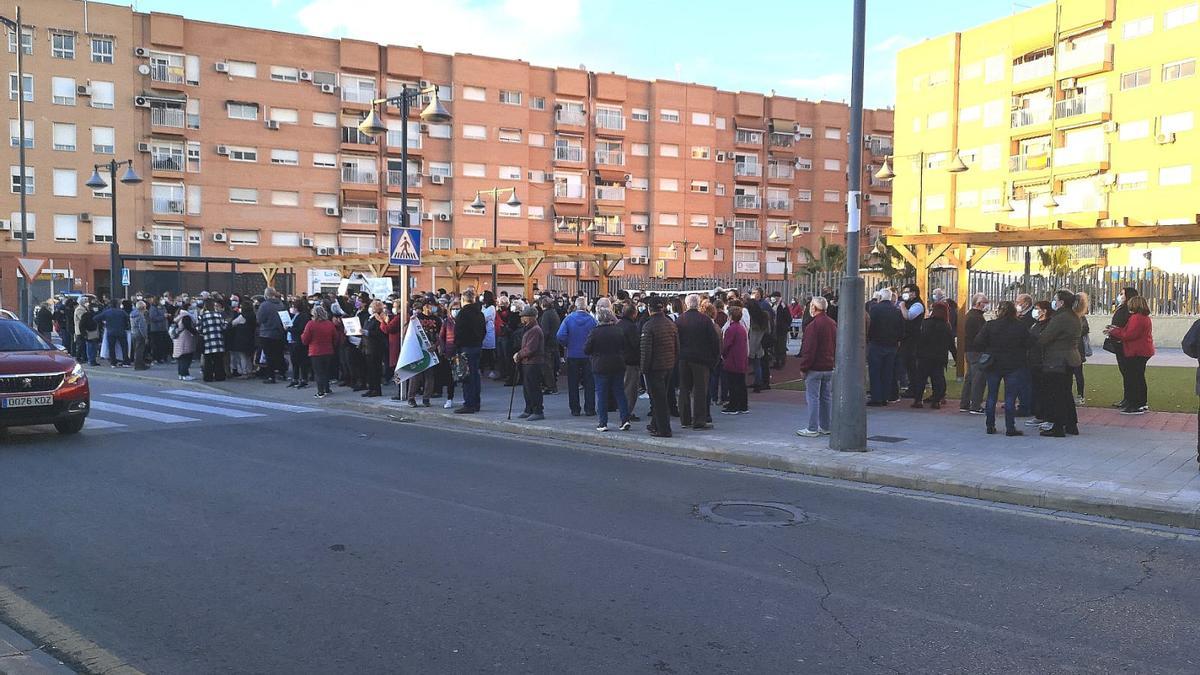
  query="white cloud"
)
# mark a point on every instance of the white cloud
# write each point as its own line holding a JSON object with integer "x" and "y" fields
{"x": 539, "y": 31}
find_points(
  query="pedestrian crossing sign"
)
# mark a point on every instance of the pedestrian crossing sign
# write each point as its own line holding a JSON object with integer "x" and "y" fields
{"x": 405, "y": 246}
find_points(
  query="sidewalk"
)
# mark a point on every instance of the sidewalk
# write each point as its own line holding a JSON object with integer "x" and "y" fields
{"x": 19, "y": 656}
{"x": 1139, "y": 468}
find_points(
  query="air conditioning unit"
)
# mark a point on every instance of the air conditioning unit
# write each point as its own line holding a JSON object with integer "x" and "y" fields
{"x": 272, "y": 124}
{"x": 1067, "y": 83}
{"x": 223, "y": 150}
{"x": 220, "y": 237}
{"x": 328, "y": 88}
{"x": 306, "y": 242}
{"x": 639, "y": 260}
{"x": 437, "y": 179}
{"x": 1109, "y": 127}
{"x": 85, "y": 217}
{"x": 639, "y": 227}
{"x": 5, "y": 225}
{"x": 325, "y": 250}
{"x": 143, "y": 235}
{"x": 444, "y": 217}
{"x": 141, "y": 102}
{"x": 143, "y": 147}
{"x": 83, "y": 90}
{"x": 332, "y": 211}
{"x": 221, "y": 67}
{"x": 425, "y": 215}
{"x": 141, "y": 52}
{"x": 1164, "y": 139}
{"x": 305, "y": 76}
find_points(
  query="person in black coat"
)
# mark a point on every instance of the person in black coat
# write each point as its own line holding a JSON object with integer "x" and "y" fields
{"x": 1003, "y": 344}
{"x": 699, "y": 351}
{"x": 935, "y": 342}
{"x": 885, "y": 328}
{"x": 605, "y": 347}
{"x": 631, "y": 331}
{"x": 783, "y": 325}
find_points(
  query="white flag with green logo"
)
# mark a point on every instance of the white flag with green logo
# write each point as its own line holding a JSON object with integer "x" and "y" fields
{"x": 416, "y": 353}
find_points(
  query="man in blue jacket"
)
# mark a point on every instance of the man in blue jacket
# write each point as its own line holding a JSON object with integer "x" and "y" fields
{"x": 573, "y": 333}
{"x": 116, "y": 332}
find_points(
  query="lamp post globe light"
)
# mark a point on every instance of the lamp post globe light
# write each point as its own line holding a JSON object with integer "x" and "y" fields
{"x": 97, "y": 182}
{"x": 478, "y": 205}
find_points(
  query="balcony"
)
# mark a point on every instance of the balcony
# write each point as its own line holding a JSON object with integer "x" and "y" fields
{"x": 1081, "y": 155}
{"x": 608, "y": 229}
{"x": 570, "y": 117}
{"x": 1087, "y": 58}
{"x": 394, "y": 140}
{"x": 166, "y": 162}
{"x": 1026, "y": 117}
{"x": 879, "y": 147}
{"x": 610, "y": 193}
{"x": 1081, "y": 203}
{"x": 393, "y": 217}
{"x": 747, "y": 137}
{"x": 1028, "y": 162}
{"x": 610, "y": 157}
{"x": 779, "y": 204}
{"x": 162, "y": 72}
{"x": 1082, "y": 105}
{"x": 879, "y": 183}
{"x": 167, "y": 117}
{"x": 171, "y": 205}
{"x": 568, "y": 153}
{"x": 568, "y": 190}
{"x": 360, "y": 215}
{"x": 747, "y": 202}
{"x": 352, "y": 174}
{"x": 781, "y": 140}
{"x": 415, "y": 180}
{"x": 880, "y": 210}
{"x": 606, "y": 121}
{"x": 351, "y": 135}
{"x": 747, "y": 267}
{"x": 356, "y": 95}
{"x": 747, "y": 234}
{"x": 1032, "y": 70}
{"x": 750, "y": 169}
{"x": 776, "y": 267}
{"x": 777, "y": 171}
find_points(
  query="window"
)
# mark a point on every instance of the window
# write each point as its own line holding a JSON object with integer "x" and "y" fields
{"x": 442, "y": 169}
{"x": 537, "y": 176}
{"x": 324, "y": 160}
{"x": 284, "y": 239}
{"x": 439, "y": 131}
{"x": 832, "y": 196}
{"x": 833, "y": 165}
{"x": 671, "y": 116}
{"x": 14, "y": 133}
{"x": 537, "y": 140}
{"x": 700, "y": 119}
{"x": 285, "y": 198}
{"x": 720, "y": 124}
{"x": 325, "y": 200}
{"x": 242, "y": 111}
{"x": 1130, "y": 131}
{"x": 30, "y": 227}
{"x": 804, "y": 132}
{"x": 1138, "y": 27}
{"x": 26, "y": 41}
{"x": 830, "y": 227}
{"x": 474, "y": 170}
{"x": 700, "y": 186}
{"x": 474, "y": 94}
{"x": 1175, "y": 175}
{"x": 1172, "y": 124}
{"x": 668, "y": 150}
{"x": 66, "y": 227}
{"x": 509, "y": 173}
{"x": 103, "y": 94}
{"x": 62, "y": 90}
{"x": 804, "y": 227}
{"x": 191, "y": 69}
{"x": 936, "y": 120}
{"x": 1138, "y": 78}
{"x": 101, "y": 229}
{"x": 103, "y": 140}
{"x": 668, "y": 184}
{"x": 242, "y": 154}
{"x": 701, "y": 152}
{"x": 26, "y": 87}
{"x": 537, "y": 212}
{"x": 324, "y": 119}
{"x": 698, "y": 221}
{"x": 285, "y": 115}
{"x": 1181, "y": 16}
{"x": 243, "y": 195}
{"x": 508, "y": 97}
{"x": 285, "y": 157}
{"x": 192, "y": 113}
{"x": 509, "y": 135}
{"x": 668, "y": 219}
{"x": 62, "y": 45}
{"x": 102, "y": 50}
{"x": 30, "y": 183}
{"x": 243, "y": 237}
{"x": 64, "y": 137}
{"x": 833, "y": 133}
{"x": 804, "y": 195}
{"x": 194, "y": 200}
{"x": 639, "y": 115}
{"x": 993, "y": 69}
{"x": 285, "y": 74}
{"x": 935, "y": 202}
{"x": 242, "y": 69}
{"x": 66, "y": 183}
{"x": 537, "y": 102}
{"x": 639, "y": 149}
{"x": 969, "y": 114}
{"x": 639, "y": 183}
{"x": 993, "y": 113}
{"x": 476, "y": 132}
{"x": 967, "y": 199}
{"x": 506, "y": 211}
{"x": 1132, "y": 180}
{"x": 1178, "y": 70}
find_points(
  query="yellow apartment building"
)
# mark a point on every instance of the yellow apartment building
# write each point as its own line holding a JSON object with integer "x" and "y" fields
{"x": 1079, "y": 111}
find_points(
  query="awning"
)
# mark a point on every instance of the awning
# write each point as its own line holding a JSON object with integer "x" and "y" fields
{"x": 570, "y": 210}
{"x": 614, "y": 175}
{"x": 782, "y": 126}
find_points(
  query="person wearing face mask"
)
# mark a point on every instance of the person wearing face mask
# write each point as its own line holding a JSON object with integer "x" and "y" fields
{"x": 447, "y": 350}
{"x": 1003, "y": 344}
{"x": 936, "y": 341}
{"x": 975, "y": 380}
{"x": 1024, "y": 376}
{"x": 1137, "y": 346}
{"x": 1060, "y": 342}
{"x": 912, "y": 310}
{"x": 783, "y": 325}
{"x": 1112, "y": 344}
{"x": 529, "y": 359}
{"x": 1034, "y": 359}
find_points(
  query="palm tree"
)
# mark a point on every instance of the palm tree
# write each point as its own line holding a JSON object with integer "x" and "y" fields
{"x": 829, "y": 257}
{"x": 1057, "y": 260}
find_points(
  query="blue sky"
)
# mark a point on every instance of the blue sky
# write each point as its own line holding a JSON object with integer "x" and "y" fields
{"x": 797, "y": 47}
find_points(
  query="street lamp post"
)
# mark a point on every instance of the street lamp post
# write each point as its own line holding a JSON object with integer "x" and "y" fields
{"x": 673, "y": 248}
{"x": 478, "y": 204}
{"x": 96, "y": 182}
{"x": 25, "y": 285}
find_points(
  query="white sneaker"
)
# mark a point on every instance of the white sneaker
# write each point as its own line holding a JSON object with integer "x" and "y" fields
{"x": 186, "y": 378}
{"x": 1079, "y": 400}
{"x": 449, "y": 403}
{"x": 808, "y": 433}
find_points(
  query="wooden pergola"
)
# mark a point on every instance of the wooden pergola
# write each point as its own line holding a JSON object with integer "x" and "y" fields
{"x": 457, "y": 262}
{"x": 964, "y": 249}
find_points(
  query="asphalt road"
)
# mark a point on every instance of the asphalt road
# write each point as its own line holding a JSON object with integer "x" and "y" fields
{"x": 315, "y": 542}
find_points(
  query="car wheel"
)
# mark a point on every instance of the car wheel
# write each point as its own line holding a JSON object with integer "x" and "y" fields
{"x": 71, "y": 426}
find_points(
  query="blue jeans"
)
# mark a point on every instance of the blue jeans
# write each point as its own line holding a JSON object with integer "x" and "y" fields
{"x": 1023, "y": 384}
{"x": 611, "y": 385}
{"x": 881, "y": 365}
{"x": 1012, "y": 381}
{"x": 579, "y": 371}
{"x": 818, "y": 392}
{"x": 91, "y": 348}
{"x": 472, "y": 386}
{"x": 183, "y": 364}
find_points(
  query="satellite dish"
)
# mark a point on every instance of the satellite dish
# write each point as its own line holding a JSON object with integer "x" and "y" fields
{"x": 144, "y": 69}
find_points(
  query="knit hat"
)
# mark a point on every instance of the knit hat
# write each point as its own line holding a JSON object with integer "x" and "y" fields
{"x": 529, "y": 310}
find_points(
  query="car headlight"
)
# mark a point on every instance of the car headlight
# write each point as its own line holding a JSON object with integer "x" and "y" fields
{"x": 76, "y": 375}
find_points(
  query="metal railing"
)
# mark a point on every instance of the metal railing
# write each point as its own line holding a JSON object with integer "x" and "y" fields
{"x": 1029, "y": 116}
{"x": 747, "y": 234}
{"x": 167, "y": 117}
{"x": 778, "y": 170}
{"x": 353, "y": 135}
{"x": 747, "y": 169}
{"x": 612, "y": 193}
{"x": 415, "y": 180}
{"x": 781, "y": 140}
{"x": 1030, "y": 162}
{"x": 568, "y": 153}
{"x": 568, "y": 116}
{"x": 612, "y": 157}
{"x": 568, "y": 190}
{"x": 360, "y": 215}
{"x": 611, "y": 229}
{"x": 880, "y": 210}
{"x": 745, "y": 137}
{"x": 779, "y": 204}
{"x": 747, "y": 202}
{"x": 610, "y": 120}
{"x": 879, "y": 148}
{"x": 1081, "y": 105}
{"x": 166, "y": 162}
{"x": 162, "y": 72}
{"x": 361, "y": 176}
{"x": 168, "y": 205}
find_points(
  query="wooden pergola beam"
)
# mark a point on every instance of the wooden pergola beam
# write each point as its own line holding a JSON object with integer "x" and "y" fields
{"x": 1055, "y": 237}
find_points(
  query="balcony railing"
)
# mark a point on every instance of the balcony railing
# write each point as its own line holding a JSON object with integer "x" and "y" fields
{"x": 747, "y": 169}
{"x": 360, "y": 215}
{"x": 353, "y": 135}
{"x": 1083, "y": 55}
{"x": 568, "y": 116}
{"x": 779, "y": 204}
{"x": 779, "y": 235}
{"x": 414, "y": 139}
{"x": 879, "y": 147}
{"x": 1029, "y": 116}
{"x": 568, "y": 153}
{"x": 1029, "y": 162}
{"x": 880, "y": 210}
{"x": 747, "y": 234}
{"x": 786, "y": 171}
{"x": 745, "y": 137}
{"x": 613, "y": 157}
{"x": 168, "y": 205}
{"x": 162, "y": 72}
{"x": 1081, "y": 105}
{"x": 611, "y": 229}
{"x": 781, "y": 140}
{"x": 879, "y": 183}
{"x": 355, "y": 175}
{"x": 166, "y": 162}
{"x": 1031, "y": 70}
{"x": 568, "y": 190}
{"x": 747, "y": 202}
{"x": 167, "y": 117}
{"x": 415, "y": 180}
{"x": 610, "y": 121}
{"x": 612, "y": 193}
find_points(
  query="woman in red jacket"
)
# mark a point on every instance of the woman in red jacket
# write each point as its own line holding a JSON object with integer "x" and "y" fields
{"x": 321, "y": 337}
{"x": 1137, "y": 339}
{"x": 394, "y": 329}
{"x": 735, "y": 362}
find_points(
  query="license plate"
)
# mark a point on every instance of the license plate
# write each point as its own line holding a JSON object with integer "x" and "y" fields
{"x": 26, "y": 401}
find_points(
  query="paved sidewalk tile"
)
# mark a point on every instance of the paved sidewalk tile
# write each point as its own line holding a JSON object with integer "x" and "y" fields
{"x": 19, "y": 656}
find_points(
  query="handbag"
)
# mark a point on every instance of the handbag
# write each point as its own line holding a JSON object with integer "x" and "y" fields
{"x": 1113, "y": 345}
{"x": 459, "y": 368}
{"x": 986, "y": 361}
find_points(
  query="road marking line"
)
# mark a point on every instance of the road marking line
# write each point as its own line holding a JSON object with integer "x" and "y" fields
{"x": 166, "y": 418}
{"x": 184, "y": 405}
{"x": 94, "y": 423}
{"x": 285, "y": 407}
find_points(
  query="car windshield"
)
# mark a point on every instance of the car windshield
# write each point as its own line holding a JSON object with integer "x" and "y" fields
{"x": 17, "y": 337}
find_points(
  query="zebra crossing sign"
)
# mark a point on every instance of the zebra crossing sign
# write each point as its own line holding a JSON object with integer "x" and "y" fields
{"x": 405, "y": 246}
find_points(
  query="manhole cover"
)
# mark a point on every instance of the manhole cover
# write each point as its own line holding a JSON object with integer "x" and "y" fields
{"x": 751, "y": 513}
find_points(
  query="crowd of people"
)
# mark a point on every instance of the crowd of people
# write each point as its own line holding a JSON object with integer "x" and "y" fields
{"x": 688, "y": 354}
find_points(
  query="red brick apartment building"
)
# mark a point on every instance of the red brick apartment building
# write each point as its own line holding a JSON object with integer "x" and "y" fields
{"x": 248, "y": 145}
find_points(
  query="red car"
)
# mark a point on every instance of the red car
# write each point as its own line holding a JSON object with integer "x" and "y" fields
{"x": 38, "y": 383}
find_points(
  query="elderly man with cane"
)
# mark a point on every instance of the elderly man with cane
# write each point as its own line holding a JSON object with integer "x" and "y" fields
{"x": 530, "y": 360}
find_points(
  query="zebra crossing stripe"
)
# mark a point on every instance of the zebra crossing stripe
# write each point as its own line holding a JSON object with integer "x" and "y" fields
{"x": 234, "y": 400}
{"x": 165, "y": 418}
{"x": 93, "y": 423}
{"x": 186, "y": 405}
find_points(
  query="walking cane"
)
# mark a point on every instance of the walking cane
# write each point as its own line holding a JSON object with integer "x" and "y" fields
{"x": 511, "y": 396}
